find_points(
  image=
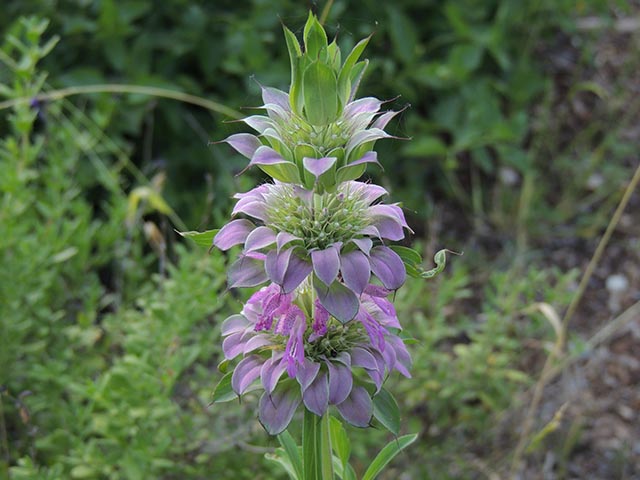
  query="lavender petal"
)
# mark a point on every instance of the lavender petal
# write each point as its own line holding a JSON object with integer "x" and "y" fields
{"x": 384, "y": 119}
{"x": 246, "y": 272}
{"x": 338, "y": 300}
{"x": 245, "y": 373}
{"x": 234, "y": 324}
{"x": 271, "y": 372}
{"x": 369, "y": 157}
{"x": 259, "y": 238}
{"x": 318, "y": 166}
{"x": 266, "y": 156}
{"x": 276, "y": 410}
{"x": 340, "y": 382}
{"x": 307, "y": 372}
{"x": 362, "y": 358}
{"x": 356, "y": 270}
{"x": 233, "y": 233}
{"x": 363, "y": 244}
{"x": 316, "y": 396}
{"x": 258, "y": 122}
{"x": 357, "y": 409}
{"x": 326, "y": 264}
{"x": 284, "y": 238}
{"x": 244, "y": 143}
{"x": 388, "y": 267}
{"x": 362, "y": 105}
{"x": 233, "y": 345}
{"x": 274, "y": 96}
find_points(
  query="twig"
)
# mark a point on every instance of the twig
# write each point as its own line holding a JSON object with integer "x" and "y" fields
{"x": 119, "y": 88}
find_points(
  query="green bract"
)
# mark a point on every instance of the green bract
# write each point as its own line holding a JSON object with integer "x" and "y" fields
{"x": 321, "y": 85}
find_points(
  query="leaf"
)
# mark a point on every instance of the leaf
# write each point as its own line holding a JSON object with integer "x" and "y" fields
{"x": 339, "y": 441}
{"x": 292, "y": 451}
{"x": 440, "y": 259}
{"x": 279, "y": 458}
{"x": 387, "y": 454}
{"x": 223, "y": 391}
{"x": 344, "y": 78}
{"x": 315, "y": 38}
{"x": 64, "y": 255}
{"x": 295, "y": 91}
{"x": 319, "y": 88}
{"x": 204, "y": 239}
{"x": 411, "y": 259}
{"x": 386, "y": 411}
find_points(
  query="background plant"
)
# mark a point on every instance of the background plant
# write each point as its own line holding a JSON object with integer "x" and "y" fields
{"x": 83, "y": 176}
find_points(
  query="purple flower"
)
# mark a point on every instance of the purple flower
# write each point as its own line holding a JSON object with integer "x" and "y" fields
{"x": 275, "y": 334}
{"x": 336, "y": 236}
{"x": 290, "y": 149}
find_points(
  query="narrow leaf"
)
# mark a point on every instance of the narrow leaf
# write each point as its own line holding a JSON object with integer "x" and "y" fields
{"x": 315, "y": 38}
{"x": 339, "y": 441}
{"x": 386, "y": 411}
{"x": 440, "y": 259}
{"x": 223, "y": 391}
{"x": 387, "y": 454}
{"x": 204, "y": 239}
{"x": 292, "y": 451}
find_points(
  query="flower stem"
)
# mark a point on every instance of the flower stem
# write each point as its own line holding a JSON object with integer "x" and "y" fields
{"x": 316, "y": 447}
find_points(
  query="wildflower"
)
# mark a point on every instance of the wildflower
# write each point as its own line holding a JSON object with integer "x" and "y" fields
{"x": 277, "y": 332}
{"x": 336, "y": 236}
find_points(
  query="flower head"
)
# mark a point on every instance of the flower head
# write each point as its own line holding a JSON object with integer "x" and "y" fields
{"x": 277, "y": 334}
{"x": 316, "y": 135}
{"x": 336, "y": 236}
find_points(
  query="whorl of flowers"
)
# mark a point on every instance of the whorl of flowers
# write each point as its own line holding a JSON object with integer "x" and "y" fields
{"x": 322, "y": 332}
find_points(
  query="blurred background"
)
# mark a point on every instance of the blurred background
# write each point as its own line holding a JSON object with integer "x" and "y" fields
{"x": 523, "y": 119}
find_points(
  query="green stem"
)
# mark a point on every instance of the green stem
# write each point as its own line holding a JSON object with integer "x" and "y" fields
{"x": 316, "y": 447}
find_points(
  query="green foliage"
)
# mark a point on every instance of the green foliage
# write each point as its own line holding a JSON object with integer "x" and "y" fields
{"x": 105, "y": 374}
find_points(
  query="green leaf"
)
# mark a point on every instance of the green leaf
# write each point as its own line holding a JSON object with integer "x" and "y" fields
{"x": 315, "y": 38}
{"x": 334, "y": 55}
{"x": 319, "y": 88}
{"x": 387, "y": 454}
{"x": 386, "y": 411}
{"x": 350, "y": 172}
{"x": 279, "y": 458}
{"x": 440, "y": 259}
{"x": 357, "y": 72}
{"x": 295, "y": 91}
{"x": 339, "y": 441}
{"x": 223, "y": 391}
{"x": 412, "y": 260}
{"x": 344, "y": 79}
{"x": 204, "y": 239}
{"x": 292, "y": 451}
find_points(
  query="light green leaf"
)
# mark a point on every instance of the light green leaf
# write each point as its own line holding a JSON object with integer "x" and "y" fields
{"x": 357, "y": 72}
{"x": 319, "y": 87}
{"x": 315, "y": 38}
{"x": 204, "y": 239}
{"x": 295, "y": 91}
{"x": 386, "y": 411}
{"x": 223, "y": 391}
{"x": 387, "y": 454}
{"x": 293, "y": 453}
{"x": 412, "y": 260}
{"x": 440, "y": 259}
{"x": 344, "y": 79}
{"x": 339, "y": 440}
{"x": 279, "y": 458}
{"x": 64, "y": 255}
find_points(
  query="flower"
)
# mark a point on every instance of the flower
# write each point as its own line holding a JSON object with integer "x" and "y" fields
{"x": 336, "y": 236}
{"x": 277, "y": 332}
{"x": 292, "y": 150}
